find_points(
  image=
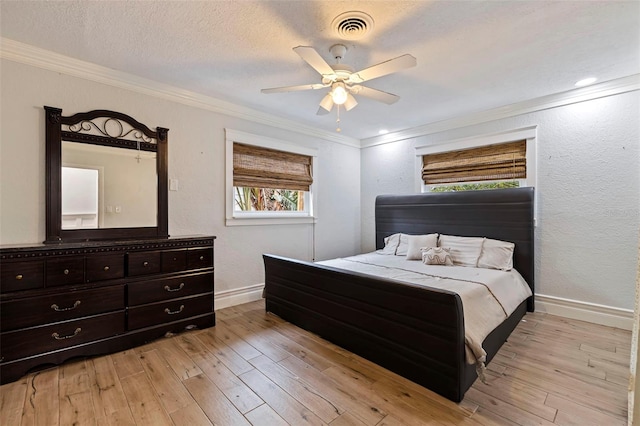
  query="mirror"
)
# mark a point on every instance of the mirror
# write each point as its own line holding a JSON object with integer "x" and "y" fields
{"x": 107, "y": 187}
{"x": 106, "y": 177}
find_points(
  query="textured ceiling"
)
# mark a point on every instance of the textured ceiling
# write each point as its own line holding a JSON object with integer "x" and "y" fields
{"x": 472, "y": 55}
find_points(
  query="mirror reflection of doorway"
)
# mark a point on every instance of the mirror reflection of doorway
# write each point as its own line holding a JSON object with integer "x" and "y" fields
{"x": 80, "y": 196}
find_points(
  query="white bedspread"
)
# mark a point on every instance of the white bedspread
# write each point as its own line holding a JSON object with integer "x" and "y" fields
{"x": 488, "y": 296}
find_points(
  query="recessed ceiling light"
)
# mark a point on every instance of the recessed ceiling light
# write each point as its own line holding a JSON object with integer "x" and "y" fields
{"x": 586, "y": 81}
{"x": 383, "y": 131}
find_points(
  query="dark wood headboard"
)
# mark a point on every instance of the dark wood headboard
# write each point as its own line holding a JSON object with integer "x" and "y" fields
{"x": 501, "y": 214}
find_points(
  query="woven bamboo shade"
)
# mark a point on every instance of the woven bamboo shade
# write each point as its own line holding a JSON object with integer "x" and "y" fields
{"x": 257, "y": 167}
{"x": 492, "y": 162}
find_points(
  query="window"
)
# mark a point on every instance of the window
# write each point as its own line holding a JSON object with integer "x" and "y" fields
{"x": 475, "y": 186}
{"x": 268, "y": 181}
{"x": 503, "y": 160}
{"x": 268, "y": 199}
{"x": 484, "y": 167}
{"x": 80, "y": 206}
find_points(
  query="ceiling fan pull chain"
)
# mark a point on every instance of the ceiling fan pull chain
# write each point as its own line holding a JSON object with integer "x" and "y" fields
{"x": 338, "y": 119}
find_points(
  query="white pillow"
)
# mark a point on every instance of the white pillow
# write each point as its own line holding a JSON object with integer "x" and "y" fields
{"x": 436, "y": 256}
{"x": 390, "y": 244}
{"x": 465, "y": 251}
{"x": 403, "y": 245}
{"x": 416, "y": 242}
{"x": 496, "y": 254}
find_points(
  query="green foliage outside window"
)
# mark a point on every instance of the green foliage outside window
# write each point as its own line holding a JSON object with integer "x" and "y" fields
{"x": 267, "y": 199}
{"x": 476, "y": 186}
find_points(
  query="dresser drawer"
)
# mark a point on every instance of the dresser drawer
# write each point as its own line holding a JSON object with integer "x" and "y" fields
{"x": 143, "y": 263}
{"x": 200, "y": 258}
{"x": 63, "y": 271}
{"x": 35, "y": 340}
{"x": 15, "y": 276}
{"x": 174, "y": 260}
{"x": 60, "y": 307}
{"x": 105, "y": 267}
{"x": 170, "y": 310}
{"x": 169, "y": 288}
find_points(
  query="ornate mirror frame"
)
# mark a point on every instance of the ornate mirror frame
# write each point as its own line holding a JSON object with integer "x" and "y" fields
{"x": 82, "y": 128}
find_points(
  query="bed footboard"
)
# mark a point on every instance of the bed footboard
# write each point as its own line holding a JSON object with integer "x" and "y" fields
{"x": 415, "y": 332}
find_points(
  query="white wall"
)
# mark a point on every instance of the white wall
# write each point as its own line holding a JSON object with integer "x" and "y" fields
{"x": 588, "y": 191}
{"x": 196, "y": 159}
{"x": 588, "y": 182}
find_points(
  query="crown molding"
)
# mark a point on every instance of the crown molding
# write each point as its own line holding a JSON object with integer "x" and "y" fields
{"x": 34, "y": 56}
{"x": 607, "y": 88}
{"x": 30, "y": 55}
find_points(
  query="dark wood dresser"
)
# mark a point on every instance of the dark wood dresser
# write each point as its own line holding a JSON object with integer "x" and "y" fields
{"x": 81, "y": 299}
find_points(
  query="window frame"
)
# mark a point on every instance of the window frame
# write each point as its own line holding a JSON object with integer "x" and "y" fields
{"x": 240, "y": 218}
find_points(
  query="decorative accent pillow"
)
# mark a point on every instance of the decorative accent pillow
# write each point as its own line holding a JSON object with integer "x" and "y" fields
{"x": 465, "y": 251}
{"x": 416, "y": 242}
{"x": 496, "y": 254}
{"x": 436, "y": 256}
{"x": 390, "y": 244}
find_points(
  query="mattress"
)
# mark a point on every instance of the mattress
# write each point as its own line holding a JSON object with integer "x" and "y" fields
{"x": 488, "y": 296}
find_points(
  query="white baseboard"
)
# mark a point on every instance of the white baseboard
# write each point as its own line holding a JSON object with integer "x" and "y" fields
{"x": 238, "y": 296}
{"x": 568, "y": 308}
{"x": 584, "y": 311}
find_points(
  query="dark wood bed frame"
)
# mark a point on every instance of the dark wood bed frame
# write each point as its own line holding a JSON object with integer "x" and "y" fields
{"x": 415, "y": 332}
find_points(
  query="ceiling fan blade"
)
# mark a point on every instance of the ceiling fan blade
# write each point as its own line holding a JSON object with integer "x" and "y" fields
{"x": 294, "y": 88}
{"x": 313, "y": 58}
{"x": 325, "y": 105}
{"x": 378, "y": 95}
{"x": 384, "y": 68}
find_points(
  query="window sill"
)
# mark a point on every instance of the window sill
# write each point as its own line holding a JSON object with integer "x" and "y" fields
{"x": 263, "y": 221}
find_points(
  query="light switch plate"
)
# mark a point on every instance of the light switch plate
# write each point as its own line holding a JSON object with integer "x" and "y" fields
{"x": 173, "y": 184}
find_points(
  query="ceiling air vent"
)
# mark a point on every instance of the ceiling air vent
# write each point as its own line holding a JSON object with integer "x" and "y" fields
{"x": 352, "y": 25}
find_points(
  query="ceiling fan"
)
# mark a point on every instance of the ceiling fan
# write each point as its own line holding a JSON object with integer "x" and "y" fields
{"x": 342, "y": 79}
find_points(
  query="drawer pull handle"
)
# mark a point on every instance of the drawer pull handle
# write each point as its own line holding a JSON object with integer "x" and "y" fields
{"x": 106, "y": 268}
{"x": 145, "y": 264}
{"x": 59, "y": 309}
{"x": 66, "y": 272}
{"x": 201, "y": 257}
{"x": 167, "y": 288}
{"x": 58, "y": 337}
{"x": 170, "y": 312}
{"x": 19, "y": 277}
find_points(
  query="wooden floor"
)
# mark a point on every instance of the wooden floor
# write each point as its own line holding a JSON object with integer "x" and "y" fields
{"x": 253, "y": 368}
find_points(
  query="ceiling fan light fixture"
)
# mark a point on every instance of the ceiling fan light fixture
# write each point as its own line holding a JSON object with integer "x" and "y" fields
{"x": 326, "y": 104}
{"x": 344, "y": 82}
{"x": 339, "y": 93}
{"x": 350, "y": 103}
